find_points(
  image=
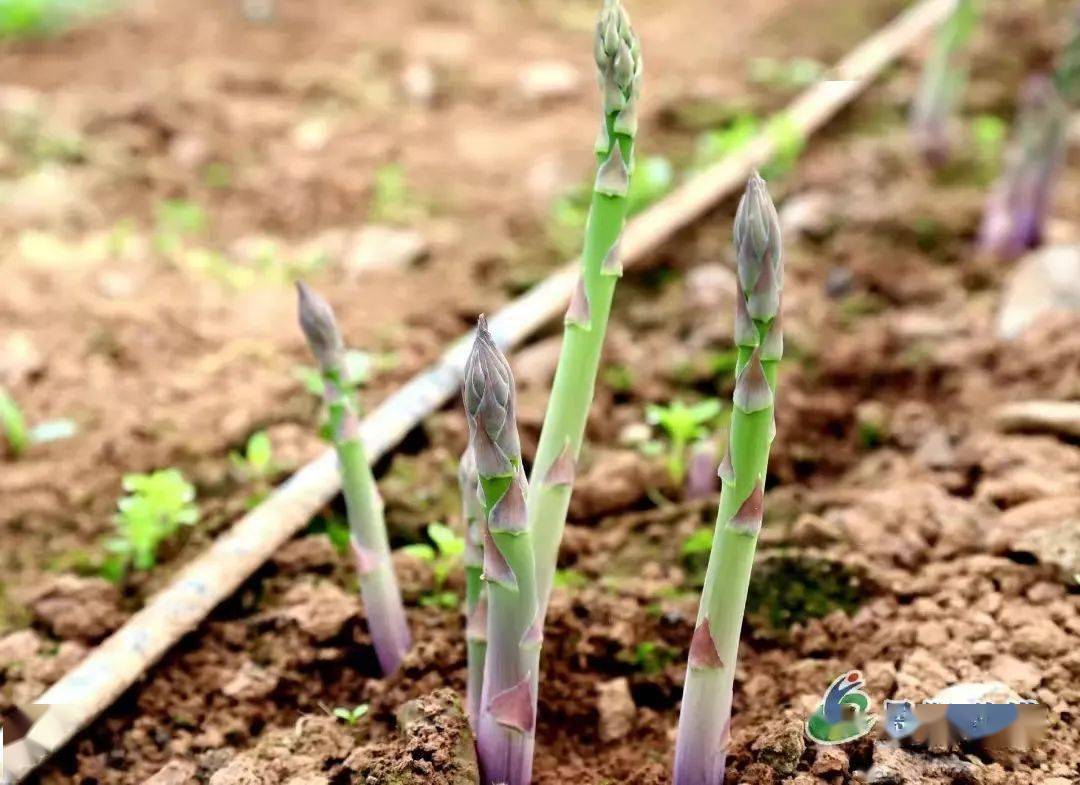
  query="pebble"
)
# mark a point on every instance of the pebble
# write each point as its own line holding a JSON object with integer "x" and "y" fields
{"x": 831, "y": 762}
{"x": 175, "y": 772}
{"x": 419, "y": 83}
{"x": 549, "y": 80}
{"x": 616, "y": 707}
{"x": 1043, "y": 282}
{"x": 931, "y": 634}
{"x": 809, "y": 213}
{"x": 780, "y": 748}
{"x": 377, "y": 247}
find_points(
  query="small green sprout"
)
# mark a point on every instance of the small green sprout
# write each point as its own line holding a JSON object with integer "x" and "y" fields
{"x": 717, "y": 143}
{"x": 570, "y": 579}
{"x": 698, "y": 543}
{"x": 683, "y": 425}
{"x": 351, "y": 716}
{"x": 360, "y": 368}
{"x": 155, "y": 507}
{"x": 793, "y": 74}
{"x": 650, "y": 657}
{"x": 443, "y": 556}
{"x": 988, "y": 134}
{"x": 392, "y": 200}
{"x": 257, "y": 460}
{"x": 13, "y": 425}
{"x": 19, "y": 437}
{"x": 790, "y": 142}
{"x": 177, "y": 219}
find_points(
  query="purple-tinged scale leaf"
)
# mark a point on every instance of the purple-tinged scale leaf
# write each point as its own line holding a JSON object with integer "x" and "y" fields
{"x": 476, "y": 624}
{"x": 703, "y": 652}
{"x": 578, "y": 312}
{"x": 613, "y": 177}
{"x": 534, "y": 636}
{"x": 496, "y": 568}
{"x": 513, "y": 707}
{"x": 752, "y": 391}
{"x": 612, "y": 264}
{"x": 772, "y": 347}
{"x": 748, "y": 517}
{"x": 490, "y": 460}
{"x": 367, "y": 560}
{"x": 564, "y": 468}
{"x": 509, "y": 513}
{"x": 763, "y": 301}
{"x": 726, "y": 472}
{"x": 746, "y": 333}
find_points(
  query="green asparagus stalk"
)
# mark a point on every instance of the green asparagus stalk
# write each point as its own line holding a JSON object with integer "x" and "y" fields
{"x": 475, "y": 519}
{"x": 370, "y": 544}
{"x": 707, "y": 696}
{"x": 619, "y": 66}
{"x": 505, "y": 730}
{"x": 942, "y": 84}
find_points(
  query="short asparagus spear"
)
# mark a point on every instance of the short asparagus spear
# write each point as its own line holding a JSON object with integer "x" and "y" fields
{"x": 475, "y": 521}
{"x": 706, "y": 708}
{"x": 378, "y": 585}
{"x": 942, "y": 84}
{"x": 619, "y": 65}
{"x": 504, "y": 733}
{"x": 1016, "y": 208}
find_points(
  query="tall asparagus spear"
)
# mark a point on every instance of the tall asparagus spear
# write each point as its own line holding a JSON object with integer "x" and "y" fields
{"x": 619, "y": 65}
{"x": 475, "y": 519}
{"x": 371, "y": 548}
{"x": 505, "y": 730}
{"x": 706, "y": 708}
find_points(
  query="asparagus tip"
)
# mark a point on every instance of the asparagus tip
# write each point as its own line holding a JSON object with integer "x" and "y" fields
{"x": 319, "y": 326}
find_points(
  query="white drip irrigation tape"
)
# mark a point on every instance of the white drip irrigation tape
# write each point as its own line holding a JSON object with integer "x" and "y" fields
{"x": 114, "y": 666}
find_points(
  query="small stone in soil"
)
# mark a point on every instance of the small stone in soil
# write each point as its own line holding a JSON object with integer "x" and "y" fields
{"x": 616, "y": 708}
{"x": 781, "y": 746}
{"x": 175, "y": 772}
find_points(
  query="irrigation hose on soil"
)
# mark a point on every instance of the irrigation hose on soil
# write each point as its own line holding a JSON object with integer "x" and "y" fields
{"x": 80, "y": 696}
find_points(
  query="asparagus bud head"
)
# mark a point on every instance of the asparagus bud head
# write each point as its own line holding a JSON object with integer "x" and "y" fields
{"x": 489, "y": 406}
{"x": 759, "y": 251}
{"x": 618, "y": 59}
{"x": 320, "y": 328}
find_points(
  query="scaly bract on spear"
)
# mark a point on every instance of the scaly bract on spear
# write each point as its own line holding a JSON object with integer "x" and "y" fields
{"x": 371, "y": 547}
{"x": 705, "y": 717}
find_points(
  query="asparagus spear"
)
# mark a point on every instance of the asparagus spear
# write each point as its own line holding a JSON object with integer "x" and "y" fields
{"x": 371, "y": 548}
{"x": 505, "y": 730}
{"x": 1016, "y": 209}
{"x": 942, "y": 84}
{"x": 706, "y": 708}
{"x": 619, "y": 65}
{"x": 472, "y": 513}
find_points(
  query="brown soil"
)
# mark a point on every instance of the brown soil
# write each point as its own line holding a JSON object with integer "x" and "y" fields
{"x": 899, "y": 521}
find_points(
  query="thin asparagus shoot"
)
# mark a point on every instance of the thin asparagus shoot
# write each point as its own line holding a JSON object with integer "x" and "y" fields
{"x": 705, "y": 717}
{"x": 475, "y": 519}
{"x": 619, "y": 66}
{"x": 370, "y": 544}
{"x": 942, "y": 84}
{"x": 1016, "y": 209}
{"x": 507, "y": 712}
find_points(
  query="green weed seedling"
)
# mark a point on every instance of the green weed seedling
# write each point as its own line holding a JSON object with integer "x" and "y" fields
{"x": 446, "y": 553}
{"x": 19, "y": 437}
{"x": 155, "y": 508}
{"x": 351, "y": 716}
{"x": 683, "y": 425}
